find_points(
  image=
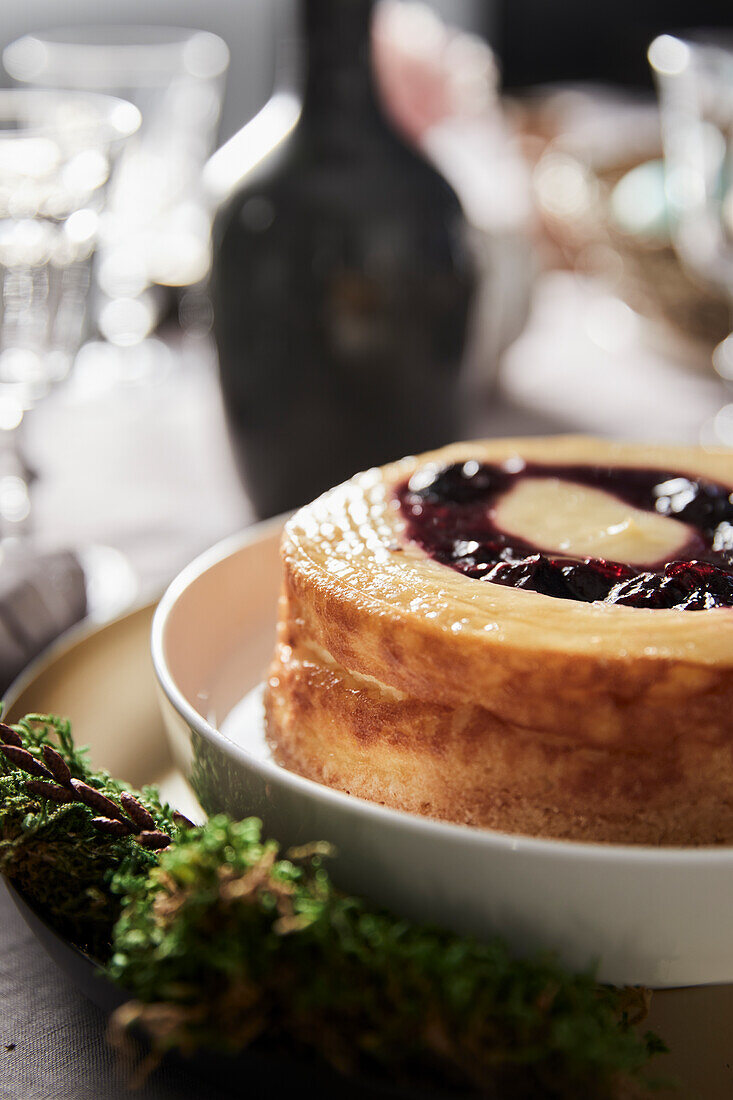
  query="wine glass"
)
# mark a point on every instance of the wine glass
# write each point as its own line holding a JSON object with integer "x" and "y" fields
{"x": 56, "y": 153}
{"x": 158, "y": 221}
{"x": 694, "y": 77}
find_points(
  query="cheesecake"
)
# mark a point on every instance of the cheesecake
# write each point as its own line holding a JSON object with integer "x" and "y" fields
{"x": 529, "y": 635}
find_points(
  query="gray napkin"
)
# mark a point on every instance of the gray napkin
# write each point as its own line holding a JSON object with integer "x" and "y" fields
{"x": 52, "y": 1040}
{"x": 41, "y": 596}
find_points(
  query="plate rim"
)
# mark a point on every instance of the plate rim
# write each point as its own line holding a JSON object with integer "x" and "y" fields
{"x": 668, "y": 858}
{"x": 68, "y": 640}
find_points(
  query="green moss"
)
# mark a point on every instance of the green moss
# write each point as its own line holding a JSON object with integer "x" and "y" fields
{"x": 240, "y": 943}
{"x": 221, "y": 941}
{"x": 53, "y": 853}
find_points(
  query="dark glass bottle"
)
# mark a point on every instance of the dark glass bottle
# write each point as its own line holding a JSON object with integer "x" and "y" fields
{"x": 341, "y": 284}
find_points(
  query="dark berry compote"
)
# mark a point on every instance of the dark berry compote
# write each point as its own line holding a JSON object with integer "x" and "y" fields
{"x": 449, "y": 513}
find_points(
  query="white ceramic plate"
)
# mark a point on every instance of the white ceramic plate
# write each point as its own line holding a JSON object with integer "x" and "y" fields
{"x": 651, "y": 916}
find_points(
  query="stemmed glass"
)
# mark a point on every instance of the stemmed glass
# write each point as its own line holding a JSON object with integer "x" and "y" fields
{"x": 157, "y": 225}
{"x": 694, "y": 77}
{"x": 56, "y": 153}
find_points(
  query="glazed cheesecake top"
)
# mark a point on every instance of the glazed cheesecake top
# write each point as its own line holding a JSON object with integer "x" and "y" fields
{"x": 631, "y": 539}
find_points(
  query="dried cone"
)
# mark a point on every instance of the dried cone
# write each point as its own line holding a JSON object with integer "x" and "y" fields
{"x": 50, "y": 791}
{"x": 10, "y": 736}
{"x": 154, "y": 840}
{"x": 98, "y": 801}
{"x": 23, "y": 759}
{"x": 137, "y": 812}
{"x": 112, "y": 826}
{"x": 56, "y": 764}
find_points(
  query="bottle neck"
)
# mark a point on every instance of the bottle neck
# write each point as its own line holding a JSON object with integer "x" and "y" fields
{"x": 339, "y": 81}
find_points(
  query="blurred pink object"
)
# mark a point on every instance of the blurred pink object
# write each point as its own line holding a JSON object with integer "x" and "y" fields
{"x": 429, "y": 71}
{"x": 440, "y": 86}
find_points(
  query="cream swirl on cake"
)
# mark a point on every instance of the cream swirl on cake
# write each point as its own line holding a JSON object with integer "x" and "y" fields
{"x": 564, "y": 517}
{"x": 530, "y": 635}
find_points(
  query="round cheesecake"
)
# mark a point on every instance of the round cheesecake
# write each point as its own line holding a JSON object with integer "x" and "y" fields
{"x": 529, "y": 635}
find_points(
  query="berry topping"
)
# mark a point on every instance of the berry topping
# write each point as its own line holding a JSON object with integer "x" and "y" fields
{"x": 449, "y": 512}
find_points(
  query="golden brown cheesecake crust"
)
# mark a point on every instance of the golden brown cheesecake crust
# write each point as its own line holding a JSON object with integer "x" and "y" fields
{"x": 398, "y": 680}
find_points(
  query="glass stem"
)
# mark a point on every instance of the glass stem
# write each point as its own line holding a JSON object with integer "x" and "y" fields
{"x": 15, "y": 480}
